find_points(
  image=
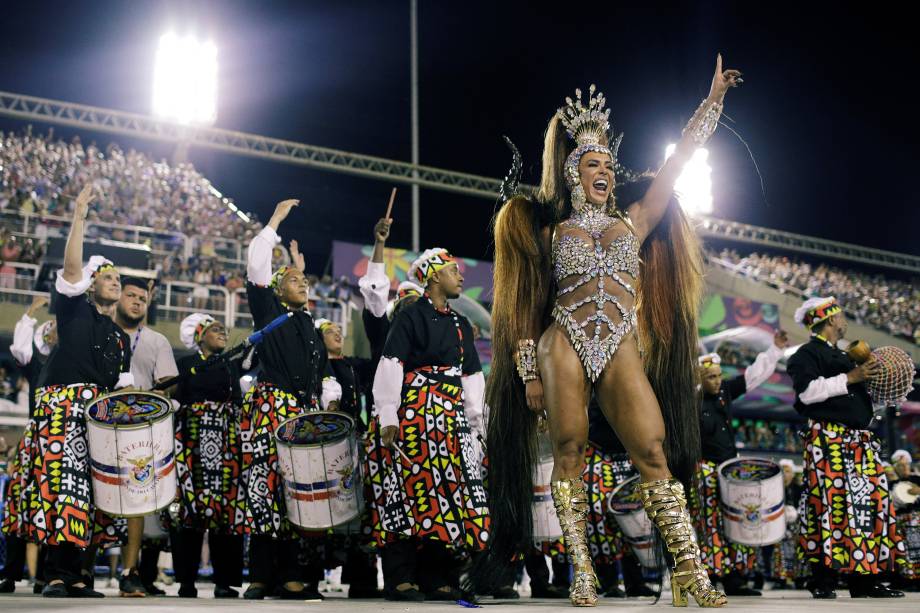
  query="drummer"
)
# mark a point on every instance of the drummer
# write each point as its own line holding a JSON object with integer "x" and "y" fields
{"x": 294, "y": 364}
{"x": 356, "y": 376}
{"x": 93, "y": 356}
{"x": 207, "y": 460}
{"x": 152, "y": 361}
{"x": 783, "y": 559}
{"x": 842, "y": 475}
{"x": 428, "y": 392}
{"x": 908, "y": 510}
{"x": 26, "y": 339}
{"x": 725, "y": 560}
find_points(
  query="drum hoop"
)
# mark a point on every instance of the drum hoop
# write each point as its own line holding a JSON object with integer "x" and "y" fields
{"x": 289, "y": 445}
{"x": 147, "y": 424}
{"x": 741, "y": 458}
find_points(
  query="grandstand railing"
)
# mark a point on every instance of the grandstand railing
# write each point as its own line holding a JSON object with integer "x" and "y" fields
{"x": 17, "y": 282}
{"x": 743, "y": 271}
{"x": 225, "y": 249}
{"x": 161, "y": 242}
{"x": 176, "y": 300}
{"x": 228, "y": 251}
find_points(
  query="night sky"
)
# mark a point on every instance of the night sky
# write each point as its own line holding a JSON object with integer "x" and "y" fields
{"x": 825, "y": 107}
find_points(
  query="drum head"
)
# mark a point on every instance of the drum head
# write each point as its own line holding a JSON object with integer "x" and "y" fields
{"x": 749, "y": 469}
{"x": 625, "y": 498}
{"x": 316, "y": 428}
{"x": 128, "y": 408}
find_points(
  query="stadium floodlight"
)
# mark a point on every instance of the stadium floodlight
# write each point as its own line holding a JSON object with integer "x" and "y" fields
{"x": 694, "y": 185}
{"x": 185, "y": 80}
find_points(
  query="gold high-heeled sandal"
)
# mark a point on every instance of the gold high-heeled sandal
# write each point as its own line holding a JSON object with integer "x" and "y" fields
{"x": 571, "y": 501}
{"x": 666, "y": 505}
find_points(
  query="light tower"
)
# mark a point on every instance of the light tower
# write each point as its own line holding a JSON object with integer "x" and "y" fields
{"x": 694, "y": 185}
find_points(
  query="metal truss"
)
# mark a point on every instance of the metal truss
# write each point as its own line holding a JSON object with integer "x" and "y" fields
{"x": 711, "y": 227}
{"x": 141, "y": 126}
{"x": 242, "y": 143}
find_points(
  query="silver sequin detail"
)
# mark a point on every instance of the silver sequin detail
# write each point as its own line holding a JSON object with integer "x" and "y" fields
{"x": 596, "y": 338}
{"x": 704, "y": 122}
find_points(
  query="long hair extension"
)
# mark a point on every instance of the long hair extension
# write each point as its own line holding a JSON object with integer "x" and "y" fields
{"x": 521, "y": 285}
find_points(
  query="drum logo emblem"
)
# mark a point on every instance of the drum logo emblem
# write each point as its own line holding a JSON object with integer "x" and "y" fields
{"x": 346, "y": 478}
{"x": 752, "y": 513}
{"x": 141, "y": 469}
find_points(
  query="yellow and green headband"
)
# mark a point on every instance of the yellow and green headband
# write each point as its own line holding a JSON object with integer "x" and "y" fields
{"x": 820, "y": 313}
{"x": 278, "y": 277}
{"x": 434, "y": 263}
{"x": 202, "y": 327}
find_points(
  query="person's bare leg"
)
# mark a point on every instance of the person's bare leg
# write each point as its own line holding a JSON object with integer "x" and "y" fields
{"x": 132, "y": 549}
{"x": 565, "y": 392}
{"x": 629, "y": 403}
{"x": 566, "y": 395}
{"x": 32, "y": 560}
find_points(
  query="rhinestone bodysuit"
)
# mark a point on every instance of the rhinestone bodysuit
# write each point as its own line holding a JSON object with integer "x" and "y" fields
{"x": 589, "y": 260}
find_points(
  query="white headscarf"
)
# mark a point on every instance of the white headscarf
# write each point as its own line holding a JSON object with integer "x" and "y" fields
{"x": 193, "y": 328}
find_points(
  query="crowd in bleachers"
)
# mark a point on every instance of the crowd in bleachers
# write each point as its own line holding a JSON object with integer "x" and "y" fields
{"x": 40, "y": 176}
{"x": 888, "y": 304}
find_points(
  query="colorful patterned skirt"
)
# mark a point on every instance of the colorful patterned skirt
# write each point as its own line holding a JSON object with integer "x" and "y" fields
{"x": 13, "y": 496}
{"x": 436, "y": 491}
{"x": 260, "y": 507}
{"x": 720, "y": 555}
{"x": 57, "y": 497}
{"x": 909, "y": 529}
{"x": 208, "y": 465}
{"x": 846, "y": 516}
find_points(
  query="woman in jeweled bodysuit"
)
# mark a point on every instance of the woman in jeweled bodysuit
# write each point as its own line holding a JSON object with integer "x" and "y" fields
{"x": 591, "y": 341}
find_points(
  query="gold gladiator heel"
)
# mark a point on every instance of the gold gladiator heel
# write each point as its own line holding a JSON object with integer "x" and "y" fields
{"x": 571, "y": 501}
{"x": 666, "y": 505}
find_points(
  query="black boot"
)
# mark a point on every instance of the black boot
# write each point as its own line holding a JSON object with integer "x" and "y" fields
{"x": 736, "y": 585}
{"x": 868, "y": 586}
{"x": 823, "y": 582}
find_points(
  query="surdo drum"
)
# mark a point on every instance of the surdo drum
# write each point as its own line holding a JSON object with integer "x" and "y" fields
{"x": 318, "y": 458}
{"x": 131, "y": 453}
{"x": 753, "y": 501}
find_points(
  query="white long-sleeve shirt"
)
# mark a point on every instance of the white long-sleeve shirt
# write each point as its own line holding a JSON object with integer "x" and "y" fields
{"x": 375, "y": 288}
{"x": 764, "y": 365}
{"x": 21, "y": 349}
{"x": 259, "y": 256}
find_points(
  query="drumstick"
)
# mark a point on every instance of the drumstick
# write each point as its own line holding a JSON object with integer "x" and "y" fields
{"x": 401, "y": 454}
{"x": 390, "y": 206}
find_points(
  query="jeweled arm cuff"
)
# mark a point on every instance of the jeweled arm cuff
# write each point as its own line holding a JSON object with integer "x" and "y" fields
{"x": 704, "y": 122}
{"x": 526, "y": 358}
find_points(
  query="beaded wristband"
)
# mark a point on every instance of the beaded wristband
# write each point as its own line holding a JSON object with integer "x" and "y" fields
{"x": 526, "y": 358}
